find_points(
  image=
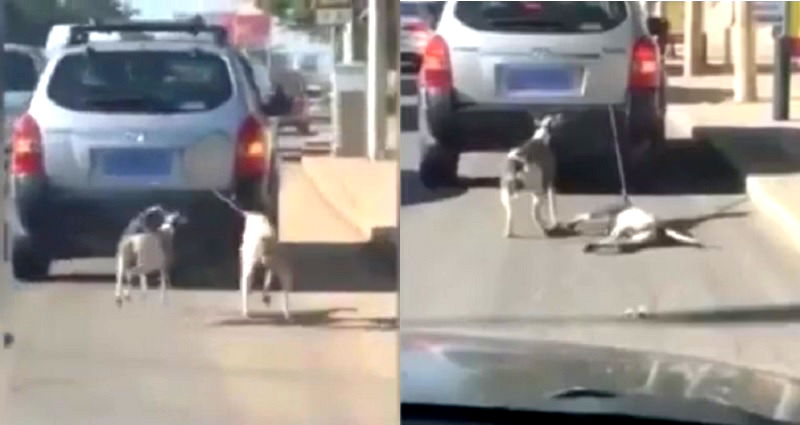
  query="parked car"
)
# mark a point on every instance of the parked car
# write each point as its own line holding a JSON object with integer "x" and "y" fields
{"x": 490, "y": 58}
{"x": 23, "y": 64}
{"x": 417, "y": 20}
{"x": 116, "y": 126}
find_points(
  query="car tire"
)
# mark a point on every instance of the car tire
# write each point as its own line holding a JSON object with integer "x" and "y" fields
{"x": 26, "y": 263}
{"x": 439, "y": 167}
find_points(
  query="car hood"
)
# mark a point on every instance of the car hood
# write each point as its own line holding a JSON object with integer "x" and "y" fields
{"x": 458, "y": 369}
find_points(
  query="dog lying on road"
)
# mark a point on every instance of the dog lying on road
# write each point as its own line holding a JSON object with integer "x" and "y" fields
{"x": 260, "y": 248}
{"x": 531, "y": 168}
{"x": 632, "y": 228}
{"x": 146, "y": 247}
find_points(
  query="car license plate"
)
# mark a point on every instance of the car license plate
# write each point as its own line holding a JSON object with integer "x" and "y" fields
{"x": 137, "y": 162}
{"x": 540, "y": 79}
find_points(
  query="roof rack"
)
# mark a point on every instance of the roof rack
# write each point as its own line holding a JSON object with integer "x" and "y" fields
{"x": 79, "y": 34}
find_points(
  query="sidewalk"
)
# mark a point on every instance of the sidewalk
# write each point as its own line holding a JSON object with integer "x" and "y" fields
{"x": 766, "y": 152}
{"x": 364, "y": 192}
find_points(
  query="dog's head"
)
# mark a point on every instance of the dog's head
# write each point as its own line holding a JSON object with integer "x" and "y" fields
{"x": 173, "y": 219}
{"x": 549, "y": 122}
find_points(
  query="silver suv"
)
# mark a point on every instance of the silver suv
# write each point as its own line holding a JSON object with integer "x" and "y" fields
{"x": 115, "y": 126}
{"x": 490, "y": 60}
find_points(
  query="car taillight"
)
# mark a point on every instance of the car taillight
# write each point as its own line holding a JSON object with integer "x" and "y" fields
{"x": 26, "y": 147}
{"x": 646, "y": 65}
{"x": 251, "y": 149}
{"x": 436, "y": 69}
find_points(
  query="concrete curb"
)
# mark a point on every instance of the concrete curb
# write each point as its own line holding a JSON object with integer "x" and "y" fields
{"x": 771, "y": 206}
{"x": 757, "y": 187}
{"x": 347, "y": 204}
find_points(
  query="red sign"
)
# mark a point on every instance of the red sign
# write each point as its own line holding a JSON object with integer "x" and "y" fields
{"x": 249, "y": 30}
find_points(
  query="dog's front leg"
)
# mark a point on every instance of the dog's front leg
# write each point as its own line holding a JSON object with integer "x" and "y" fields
{"x": 505, "y": 201}
{"x": 165, "y": 285}
{"x": 551, "y": 203}
{"x": 143, "y": 285}
{"x": 120, "y": 278}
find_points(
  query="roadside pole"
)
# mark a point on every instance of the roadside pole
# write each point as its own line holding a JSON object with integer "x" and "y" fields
{"x": 744, "y": 62}
{"x": 781, "y": 86}
{"x": 376, "y": 80}
{"x": 692, "y": 38}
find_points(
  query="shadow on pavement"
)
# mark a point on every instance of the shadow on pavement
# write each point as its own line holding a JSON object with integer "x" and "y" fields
{"x": 757, "y": 150}
{"x": 412, "y": 192}
{"x": 313, "y": 318}
{"x": 318, "y": 267}
{"x": 690, "y": 95}
{"x": 683, "y": 169}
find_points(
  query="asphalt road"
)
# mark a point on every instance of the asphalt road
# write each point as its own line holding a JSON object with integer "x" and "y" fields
{"x": 79, "y": 359}
{"x": 737, "y": 302}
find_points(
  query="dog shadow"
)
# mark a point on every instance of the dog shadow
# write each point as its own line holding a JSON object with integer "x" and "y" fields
{"x": 325, "y": 318}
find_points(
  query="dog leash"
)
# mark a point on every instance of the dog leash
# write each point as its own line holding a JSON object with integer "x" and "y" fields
{"x": 228, "y": 202}
{"x": 618, "y": 152}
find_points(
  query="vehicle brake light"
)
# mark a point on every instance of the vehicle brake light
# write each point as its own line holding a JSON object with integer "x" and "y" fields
{"x": 26, "y": 147}
{"x": 251, "y": 149}
{"x": 436, "y": 67}
{"x": 646, "y": 65}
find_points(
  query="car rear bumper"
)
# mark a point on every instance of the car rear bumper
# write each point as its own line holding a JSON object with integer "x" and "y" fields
{"x": 586, "y": 132}
{"x": 68, "y": 224}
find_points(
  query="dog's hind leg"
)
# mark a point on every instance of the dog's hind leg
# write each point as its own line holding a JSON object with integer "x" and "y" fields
{"x": 682, "y": 237}
{"x": 537, "y": 213}
{"x": 268, "y": 278}
{"x": 287, "y": 283}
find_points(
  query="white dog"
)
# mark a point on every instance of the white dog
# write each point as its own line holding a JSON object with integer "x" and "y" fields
{"x": 146, "y": 247}
{"x": 531, "y": 168}
{"x": 633, "y": 228}
{"x": 260, "y": 248}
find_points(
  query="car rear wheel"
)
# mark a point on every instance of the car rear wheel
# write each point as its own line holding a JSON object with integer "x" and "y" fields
{"x": 26, "y": 263}
{"x": 439, "y": 167}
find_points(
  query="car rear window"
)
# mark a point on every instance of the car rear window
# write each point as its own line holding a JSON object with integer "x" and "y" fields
{"x": 408, "y": 8}
{"x": 20, "y": 71}
{"x": 541, "y": 16}
{"x": 141, "y": 82}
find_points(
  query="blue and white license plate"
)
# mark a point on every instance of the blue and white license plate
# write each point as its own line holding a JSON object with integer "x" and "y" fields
{"x": 136, "y": 162}
{"x": 541, "y": 79}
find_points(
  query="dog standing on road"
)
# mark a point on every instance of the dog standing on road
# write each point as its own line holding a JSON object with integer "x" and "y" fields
{"x": 146, "y": 247}
{"x": 531, "y": 168}
{"x": 261, "y": 249}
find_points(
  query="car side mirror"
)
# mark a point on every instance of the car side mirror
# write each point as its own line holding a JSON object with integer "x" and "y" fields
{"x": 657, "y": 26}
{"x": 278, "y": 104}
